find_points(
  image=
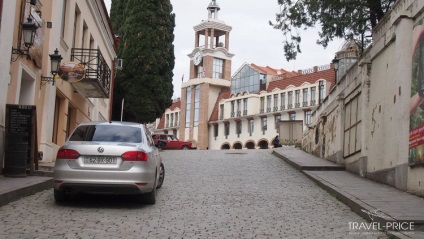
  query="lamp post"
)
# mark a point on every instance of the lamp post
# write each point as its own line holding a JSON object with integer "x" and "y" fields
{"x": 28, "y": 31}
{"x": 55, "y": 60}
{"x": 336, "y": 65}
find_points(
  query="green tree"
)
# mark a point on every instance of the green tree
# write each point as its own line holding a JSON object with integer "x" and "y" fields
{"x": 337, "y": 18}
{"x": 147, "y": 50}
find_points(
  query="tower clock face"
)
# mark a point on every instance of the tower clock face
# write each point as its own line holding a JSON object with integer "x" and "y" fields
{"x": 197, "y": 58}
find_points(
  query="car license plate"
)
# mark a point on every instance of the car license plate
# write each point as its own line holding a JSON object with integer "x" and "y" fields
{"x": 99, "y": 160}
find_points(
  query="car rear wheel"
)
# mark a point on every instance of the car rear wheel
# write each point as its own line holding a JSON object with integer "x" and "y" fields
{"x": 60, "y": 196}
{"x": 185, "y": 147}
{"x": 150, "y": 198}
{"x": 161, "y": 176}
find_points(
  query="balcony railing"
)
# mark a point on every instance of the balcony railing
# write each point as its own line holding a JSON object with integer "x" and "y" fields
{"x": 244, "y": 112}
{"x": 312, "y": 102}
{"x": 232, "y": 114}
{"x": 289, "y": 106}
{"x": 221, "y": 117}
{"x": 262, "y": 111}
{"x": 275, "y": 109}
{"x": 96, "y": 82}
{"x": 297, "y": 105}
{"x": 305, "y": 104}
{"x": 238, "y": 113}
{"x": 268, "y": 110}
{"x": 283, "y": 107}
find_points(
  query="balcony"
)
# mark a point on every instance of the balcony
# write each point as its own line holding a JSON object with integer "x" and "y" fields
{"x": 312, "y": 102}
{"x": 275, "y": 109}
{"x": 244, "y": 112}
{"x": 268, "y": 109}
{"x": 221, "y": 117}
{"x": 283, "y": 107}
{"x": 305, "y": 104}
{"x": 289, "y": 106}
{"x": 297, "y": 105}
{"x": 232, "y": 114}
{"x": 262, "y": 111}
{"x": 96, "y": 82}
{"x": 238, "y": 113}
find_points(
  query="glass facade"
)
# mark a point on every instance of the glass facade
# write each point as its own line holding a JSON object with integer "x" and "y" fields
{"x": 188, "y": 106}
{"x": 196, "y": 105}
{"x": 247, "y": 79}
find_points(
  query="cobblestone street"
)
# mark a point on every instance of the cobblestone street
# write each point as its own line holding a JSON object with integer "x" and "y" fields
{"x": 206, "y": 194}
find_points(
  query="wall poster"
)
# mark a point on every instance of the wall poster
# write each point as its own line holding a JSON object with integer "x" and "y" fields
{"x": 416, "y": 125}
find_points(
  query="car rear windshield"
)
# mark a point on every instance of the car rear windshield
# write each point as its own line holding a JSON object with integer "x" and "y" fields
{"x": 107, "y": 133}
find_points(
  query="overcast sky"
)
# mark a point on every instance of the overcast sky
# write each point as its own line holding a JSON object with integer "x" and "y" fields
{"x": 252, "y": 39}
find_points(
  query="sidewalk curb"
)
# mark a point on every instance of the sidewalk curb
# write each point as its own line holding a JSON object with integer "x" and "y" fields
{"x": 308, "y": 168}
{"x": 25, "y": 191}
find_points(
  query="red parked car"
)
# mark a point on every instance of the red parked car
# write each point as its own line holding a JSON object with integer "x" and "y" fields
{"x": 172, "y": 142}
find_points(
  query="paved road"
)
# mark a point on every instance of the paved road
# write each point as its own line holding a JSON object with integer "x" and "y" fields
{"x": 206, "y": 194}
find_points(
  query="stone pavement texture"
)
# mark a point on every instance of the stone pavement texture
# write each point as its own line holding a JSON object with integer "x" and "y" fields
{"x": 217, "y": 194}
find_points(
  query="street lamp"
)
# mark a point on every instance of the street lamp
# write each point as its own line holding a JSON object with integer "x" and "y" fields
{"x": 55, "y": 60}
{"x": 336, "y": 65}
{"x": 28, "y": 31}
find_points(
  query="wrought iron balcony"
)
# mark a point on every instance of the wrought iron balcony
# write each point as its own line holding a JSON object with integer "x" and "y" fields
{"x": 96, "y": 82}
{"x": 297, "y": 105}
{"x": 238, "y": 113}
{"x": 275, "y": 109}
{"x": 289, "y": 106}
{"x": 283, "y": 107}
{"x": 305, "y": 104}
{"x": 244, "y": 112}
{"x": 312, "y": 102}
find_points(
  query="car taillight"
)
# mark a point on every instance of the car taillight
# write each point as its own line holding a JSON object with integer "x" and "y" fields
{"x": 135, "y": 156}
{"x": 67, "y": 154}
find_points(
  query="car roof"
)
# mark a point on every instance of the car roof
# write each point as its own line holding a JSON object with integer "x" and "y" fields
{"x": 120, "y": 123}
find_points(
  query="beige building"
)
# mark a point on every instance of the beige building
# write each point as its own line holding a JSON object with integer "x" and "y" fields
{"x": 81, "y": 32}
{"x": 372, "y": 120}
{"x": 220, "y": 111}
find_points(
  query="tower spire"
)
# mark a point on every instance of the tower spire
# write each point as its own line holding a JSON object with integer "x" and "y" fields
{"x": 213, "y": 9}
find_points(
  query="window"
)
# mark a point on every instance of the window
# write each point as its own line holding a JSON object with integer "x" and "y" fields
{"x": 283, "y": 101}
{"x": 245, "y": 106}
{"x": 305, "y": 97}
{"x": 313, "y": 95}
{"x": 238, "y": 128}
{"x": 171, "y": 124}
{"x": 297, "y": 100}
{"x": 246, "y": 79}
{"x": 262, "y": 104}
{"x": 226, "y": 129}
{"x": 239, "y": 107}
{"x": 264, "y": 123}
{"x": 221, "y": 111}
{"x": 307, "y": 117}
{"x": 321, "y": 91}
{"x": 167, "y": 121}
{"x": 218, "y": 68}
{"x": 196, "y": 105}
{"x": 268, "y": 103}
{"x": 290, "y": 103}
{"x": 275, "y": 102}
{"x": 277, "y": 119}
{"x": 107, "y": 133}
{"x": 76, "y": 25}
{"x": 251, "y": 124}
{"x": 63, "y": 27}
{"x": 215, "y": 130}
{"x": 232, "y": 108}
{"x": 174, "y": 132}
{"x": 200, "y": 72}
{"x": 352, "y": 126}
{"x": 188, "y": 106}
{"x": 176, "y": 119}
{"x": 292, "y": 116}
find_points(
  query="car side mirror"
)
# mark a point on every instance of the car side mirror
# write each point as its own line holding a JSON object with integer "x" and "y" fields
{"x": 160, "y": 144}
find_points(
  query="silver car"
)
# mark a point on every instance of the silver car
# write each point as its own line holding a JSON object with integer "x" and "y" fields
{"x": 109, "y": 158}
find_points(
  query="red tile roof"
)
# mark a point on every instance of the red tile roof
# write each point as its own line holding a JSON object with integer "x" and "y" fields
{"x": 224, "y": 94}
{"x": 328, "y": 75}
{"x": 272, "y": 71}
